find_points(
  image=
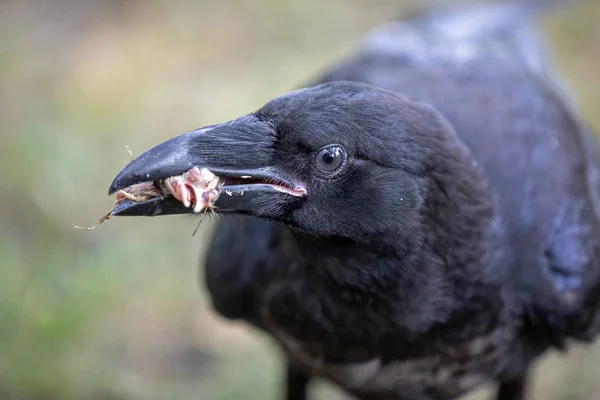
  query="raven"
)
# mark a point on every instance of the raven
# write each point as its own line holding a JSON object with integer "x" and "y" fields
{"x": 420, "y": 219}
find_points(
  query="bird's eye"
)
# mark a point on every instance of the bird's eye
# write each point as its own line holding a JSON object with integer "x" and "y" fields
{"x": 330, "y": 159}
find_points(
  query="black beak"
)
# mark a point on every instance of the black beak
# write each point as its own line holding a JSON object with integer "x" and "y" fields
{"x": 239, "y": 152}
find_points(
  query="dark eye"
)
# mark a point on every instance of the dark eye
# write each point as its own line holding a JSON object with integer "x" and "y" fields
{"x": 329, "y": 159}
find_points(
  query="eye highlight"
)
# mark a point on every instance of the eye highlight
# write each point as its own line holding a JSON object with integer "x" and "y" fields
{"x": 330, "y": 159}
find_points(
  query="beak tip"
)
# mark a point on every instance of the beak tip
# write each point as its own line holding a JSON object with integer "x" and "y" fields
{"x": 117, "y": 183}
{"x": 113, "y": 188}
{"x": 130, "y": 175}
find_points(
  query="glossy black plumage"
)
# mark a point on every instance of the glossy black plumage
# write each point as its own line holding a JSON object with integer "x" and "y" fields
{"x": 534, "y": 277}
{"x": 458, "y": 242}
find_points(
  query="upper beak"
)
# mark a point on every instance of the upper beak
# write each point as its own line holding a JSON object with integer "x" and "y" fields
{"x": 239, "y": 152}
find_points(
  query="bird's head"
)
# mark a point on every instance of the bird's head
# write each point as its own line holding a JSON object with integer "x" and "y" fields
{"x": 336, "y": 160}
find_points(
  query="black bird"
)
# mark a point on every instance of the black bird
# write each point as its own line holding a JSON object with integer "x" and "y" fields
{"x": 421, "y": 219}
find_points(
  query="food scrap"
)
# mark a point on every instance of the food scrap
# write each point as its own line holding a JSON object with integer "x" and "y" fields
{"x": 197, "y": 188}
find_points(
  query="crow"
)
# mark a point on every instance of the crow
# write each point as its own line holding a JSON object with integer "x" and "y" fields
{"x": 420, "y": 219}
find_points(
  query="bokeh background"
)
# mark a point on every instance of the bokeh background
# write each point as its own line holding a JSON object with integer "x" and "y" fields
{"x": 120, "y": 312}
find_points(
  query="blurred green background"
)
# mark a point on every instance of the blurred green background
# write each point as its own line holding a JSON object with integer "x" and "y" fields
{"x": 117, "y": 313}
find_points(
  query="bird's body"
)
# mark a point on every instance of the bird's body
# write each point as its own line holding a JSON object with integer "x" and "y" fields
{"x": 333, "y": 324}
{"x": 438, "y": 228}
{"x": 331, "y": 309}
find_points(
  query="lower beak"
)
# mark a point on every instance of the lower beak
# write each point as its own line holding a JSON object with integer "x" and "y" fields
{"x": 239, "y": 153}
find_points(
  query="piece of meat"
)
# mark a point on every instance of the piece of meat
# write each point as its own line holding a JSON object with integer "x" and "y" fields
{"x": 198, "y": 188}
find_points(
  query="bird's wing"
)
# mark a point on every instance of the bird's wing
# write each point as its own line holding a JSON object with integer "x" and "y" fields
{"x": 572, "y": 256}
